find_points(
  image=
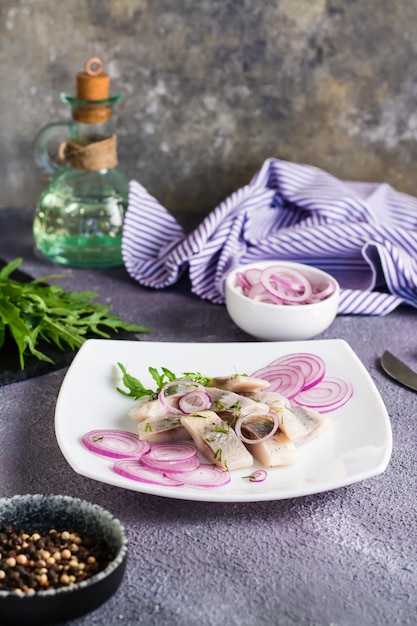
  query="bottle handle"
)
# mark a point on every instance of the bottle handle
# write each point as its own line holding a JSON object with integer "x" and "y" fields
{"x": 47, "y": 147}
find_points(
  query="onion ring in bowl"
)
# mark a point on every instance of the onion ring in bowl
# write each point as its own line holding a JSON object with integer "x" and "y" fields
{"x": 288, "y": 284}
{"x": 283, "y": 285}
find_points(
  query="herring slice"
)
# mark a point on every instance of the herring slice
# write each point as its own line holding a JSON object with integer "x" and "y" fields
{"x": 272, "y": 452}
{"x": 301, "y": 424}
{"x": 276, "y": 451}
{"x": 238, "y": 383}
{"x": 222, "y": 400}
{"x": 147, "y": 408}
{"x": 216, "y": 440}
{"x": 162, "y": 429}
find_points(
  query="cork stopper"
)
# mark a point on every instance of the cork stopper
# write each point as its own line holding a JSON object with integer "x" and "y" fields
{"x": 93, "y": 85}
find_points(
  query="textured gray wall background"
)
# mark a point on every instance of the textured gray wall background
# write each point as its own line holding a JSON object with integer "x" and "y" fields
{"x": 214, "y": 87}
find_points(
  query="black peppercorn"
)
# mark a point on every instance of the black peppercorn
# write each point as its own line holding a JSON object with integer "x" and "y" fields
{"x": 34, "y": 560}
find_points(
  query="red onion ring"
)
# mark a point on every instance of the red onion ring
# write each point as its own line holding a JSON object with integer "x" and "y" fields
{"x": 205, "y": 476}
{"x": 322, "y": 292}
{"x": 185, "y": 465}
{"x": 280, "y": 284}
{"x": 288, "y": 284}
{"x": 194, "y": 401}
{"x": 131, "y": 468}
{"x": 328, "y": 395}
{"x": 253, "y": 275}
{"x": 311, "y": 365}
{"x": 243, "y": 280}
{"x": 258, "y": 476}
{"x": 170, "y": 393}
{"x": 257, "y": 292}
{"x": 117, "y": 444}
{"x": 287, "y": 380}
{"x": 243, "y": 418}
{"x": 171, "y": 451}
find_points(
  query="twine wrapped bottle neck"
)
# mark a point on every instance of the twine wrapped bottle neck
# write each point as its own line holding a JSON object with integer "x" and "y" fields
{"x": 99, "y": 155}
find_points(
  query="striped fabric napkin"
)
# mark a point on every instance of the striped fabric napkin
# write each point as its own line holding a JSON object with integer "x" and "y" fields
{"x": 364, "y": 234}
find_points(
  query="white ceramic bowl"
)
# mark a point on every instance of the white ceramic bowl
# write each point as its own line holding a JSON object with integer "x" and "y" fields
{"x": 281, "y": 322}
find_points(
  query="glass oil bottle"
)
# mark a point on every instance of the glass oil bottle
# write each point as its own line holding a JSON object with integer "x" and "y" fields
{"x": 79, "y": 218}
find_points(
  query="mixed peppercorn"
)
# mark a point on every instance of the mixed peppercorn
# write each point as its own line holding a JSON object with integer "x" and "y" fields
{"x": 37, "y": 560}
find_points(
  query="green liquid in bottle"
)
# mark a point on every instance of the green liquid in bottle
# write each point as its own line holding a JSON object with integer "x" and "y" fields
{"x": 79, "y": 219}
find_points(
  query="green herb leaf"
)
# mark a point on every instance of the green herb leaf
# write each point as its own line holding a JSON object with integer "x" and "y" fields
{"x": 219, "y": 429}
{"x": 136, "y": 390}
{"x": 166, "y": 376}
{"x": 196, "y": 377}
{"x": 33, "y": 312}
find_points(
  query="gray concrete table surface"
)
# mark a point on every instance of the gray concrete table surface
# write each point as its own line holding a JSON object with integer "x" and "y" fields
{"x": 342, "y": 558}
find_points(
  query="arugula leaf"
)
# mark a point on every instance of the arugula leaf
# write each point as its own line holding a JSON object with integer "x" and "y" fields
{"x": 161, "y": 379}
{"x": 137, "y": 390}
{"x": 33, "y": 312}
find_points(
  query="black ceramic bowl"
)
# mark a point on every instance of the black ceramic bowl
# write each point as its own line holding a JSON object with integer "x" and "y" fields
{"x": 55, "y": 606}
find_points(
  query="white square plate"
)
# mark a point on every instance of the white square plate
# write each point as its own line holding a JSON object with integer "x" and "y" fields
{"x": 358, "y": 447}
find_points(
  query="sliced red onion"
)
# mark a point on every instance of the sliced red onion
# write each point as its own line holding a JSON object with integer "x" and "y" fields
{"x": 117, "y": 444}
{"x": 329, "y": 394}
{"x": 244, "y": 418}
{"x": 257, "y": 292}
{"x": 284, "y": 285}
{"x": 322, "y": 292}
{"x": 288, "y": 284}
{"x": 131, "y": 468}
{"x": 194, "y": 401}
{"x": 171, "y": 451}
{"x": 171, "y": 393}
{"x": 312, "y": 366}
{"x": 253, "y": 275}
{"x": 205, "y": 476}
{"x": 287, "y": 380}
{"x": 185, "y": 465}
{"x": 258, "y": 476}
{"x": 243, "y": 280}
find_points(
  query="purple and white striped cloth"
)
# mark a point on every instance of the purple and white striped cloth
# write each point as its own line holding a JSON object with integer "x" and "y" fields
{"x": 364, "y": 234}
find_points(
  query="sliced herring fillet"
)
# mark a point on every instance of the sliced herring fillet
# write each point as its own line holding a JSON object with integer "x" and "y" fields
{"x": 275, "y": 451}
{"x": 302, "y": 424}
{"x": 146, "y": 409}
{"x": 216, "y": 440}
{"x": 162, "y": 429}
{"x": 274, "y": 400}
{"x": 238, "y": 383}
{"x": 223, "y": 400}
